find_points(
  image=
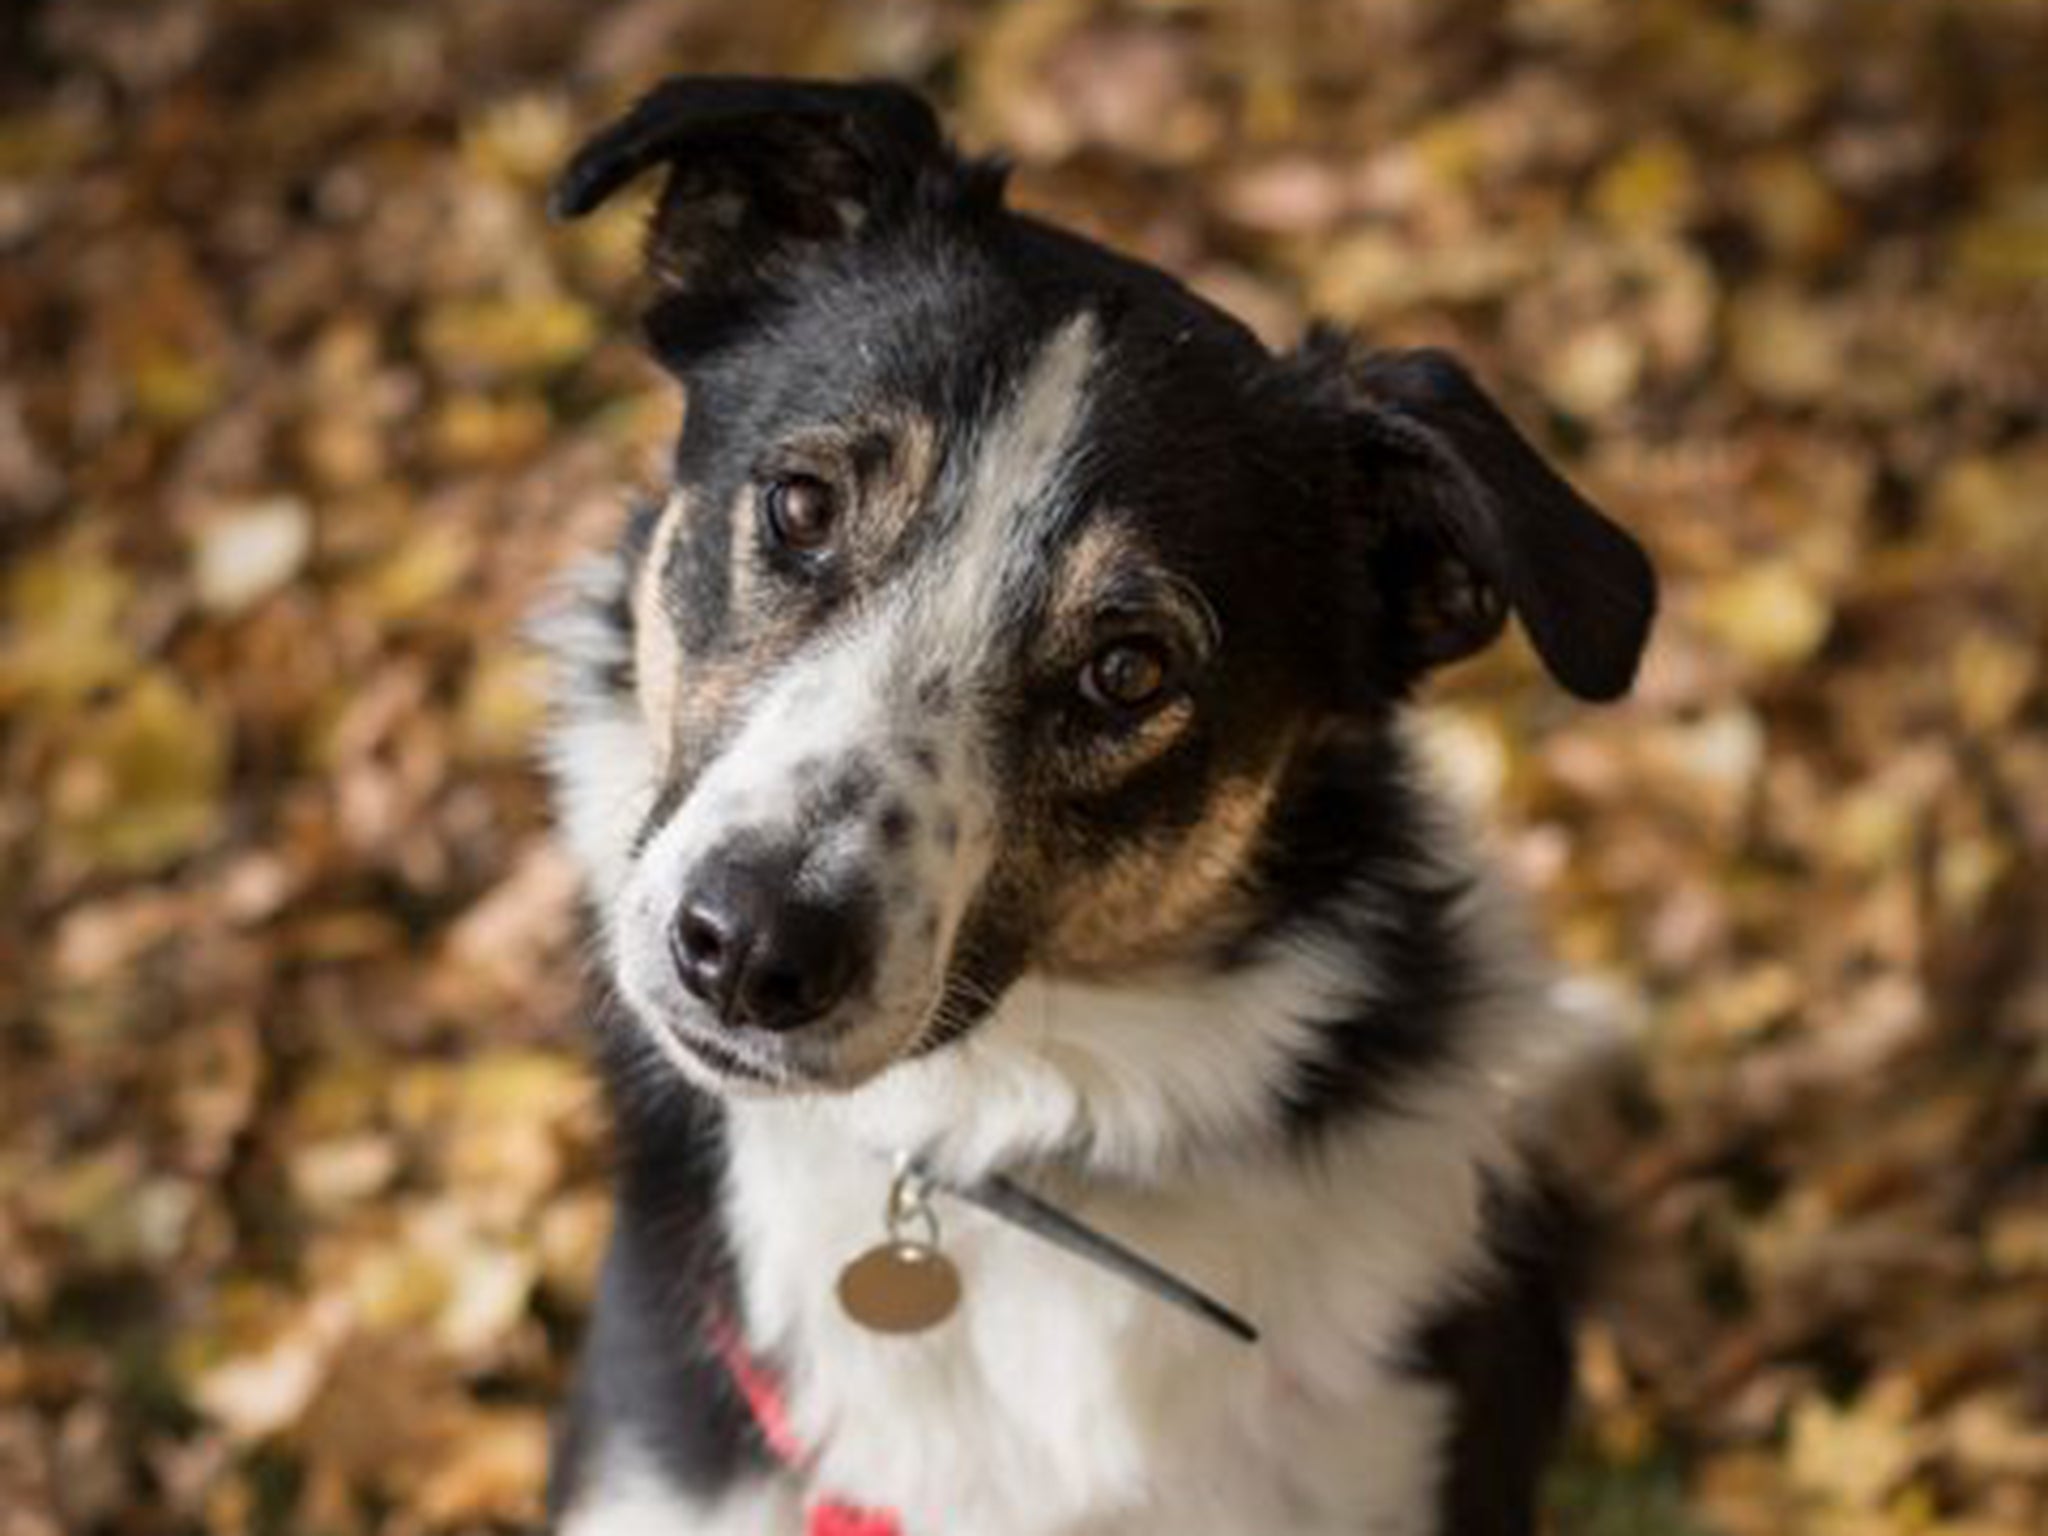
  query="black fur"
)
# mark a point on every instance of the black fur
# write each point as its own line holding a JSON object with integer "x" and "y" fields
{"x": 648, "y": 1360}
{"x": 1502, "y": 530}
{"x": 1351, "y": 851}
{"x": 1506, "y": 1354}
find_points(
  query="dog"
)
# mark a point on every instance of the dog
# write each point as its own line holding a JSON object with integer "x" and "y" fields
{"x": 991, "y": 751}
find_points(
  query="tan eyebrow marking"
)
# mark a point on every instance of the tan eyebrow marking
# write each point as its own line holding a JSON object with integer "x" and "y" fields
{"x": 1088, "y": 567}
{"x": 897, "y": 492}
{"x": 657, "y": 654}
{"x": 1018, "y": 459}
{"x": 881, "y": 462}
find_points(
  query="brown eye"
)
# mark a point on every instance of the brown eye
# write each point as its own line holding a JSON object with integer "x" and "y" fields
{"x": 802, "y": 512}
{"x": 1129, "y": 675}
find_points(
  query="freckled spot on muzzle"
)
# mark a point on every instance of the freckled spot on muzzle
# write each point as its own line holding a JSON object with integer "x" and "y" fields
{"x": 846, "y": 793}
{"x": 935, "y": 694}
{"x": 896, "y": 823}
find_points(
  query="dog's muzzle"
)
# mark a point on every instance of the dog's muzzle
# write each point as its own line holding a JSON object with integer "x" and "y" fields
{"x": 761, "y": 949}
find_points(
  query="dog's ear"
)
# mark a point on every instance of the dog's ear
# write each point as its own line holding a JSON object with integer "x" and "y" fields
{"x": 762, "y": 173}
{"x": 1463, "y": 522}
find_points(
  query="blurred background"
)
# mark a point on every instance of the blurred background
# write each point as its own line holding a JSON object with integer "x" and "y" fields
{"x": 303, "y": 401}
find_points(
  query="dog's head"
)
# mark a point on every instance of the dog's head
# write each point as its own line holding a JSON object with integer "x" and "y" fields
{"x": 1002, "y": 587}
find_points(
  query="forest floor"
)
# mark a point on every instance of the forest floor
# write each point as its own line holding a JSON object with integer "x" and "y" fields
{"x": 301, "y": 1175}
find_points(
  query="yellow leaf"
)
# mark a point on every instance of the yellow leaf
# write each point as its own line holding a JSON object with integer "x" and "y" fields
{"x": 261, "y": 1360}
{"x": 173, "y": 385}
{"x": 1856, "y": 1456}
{"x": 509, "y": 337}
{"x": 2007, "y": 246}
{"x": 63, "y": 612}
{"x": 1651, "y": 188}
{"x": 1785, "y": 346}
{"x": 1793, "y": 208}
{"x": 143, "y": 783}
{"x": 524, "y": 137}
{"x": 1770, "y": 613}
{"x": 492, "y": 1468}
{"x": 421, "y": 571}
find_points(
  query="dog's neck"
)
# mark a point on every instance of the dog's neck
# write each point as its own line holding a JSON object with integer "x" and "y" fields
{"x": 1128, "y": 1083}
{"x": 1160, "y": 1078}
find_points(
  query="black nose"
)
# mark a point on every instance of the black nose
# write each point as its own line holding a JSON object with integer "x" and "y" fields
{"x": 761, "y": 954}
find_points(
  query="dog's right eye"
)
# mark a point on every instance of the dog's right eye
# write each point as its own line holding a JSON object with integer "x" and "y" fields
{"x": 801, "y": 511}
{"x": 1127, "y": 677}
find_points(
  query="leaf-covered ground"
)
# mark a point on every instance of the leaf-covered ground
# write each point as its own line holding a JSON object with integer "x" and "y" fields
{"x": 300, "y": 1180}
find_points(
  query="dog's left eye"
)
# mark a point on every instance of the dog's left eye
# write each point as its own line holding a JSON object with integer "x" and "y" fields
{"x": 1126, "y": 677}
{"x": 802, "y": 512}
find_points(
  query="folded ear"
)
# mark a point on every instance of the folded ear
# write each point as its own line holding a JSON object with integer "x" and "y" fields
{"x": 1465, "y": 522}
{"x": 764, "y": 172}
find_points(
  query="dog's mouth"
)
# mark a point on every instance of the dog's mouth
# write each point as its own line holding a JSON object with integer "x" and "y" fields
{"x": 824, "y": 1058}
{"x": 832, "y": 1056}
{"x": 728, "y": 1066}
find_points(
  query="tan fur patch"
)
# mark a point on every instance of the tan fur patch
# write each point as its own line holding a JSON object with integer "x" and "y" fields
{"x": 682, "y": 696}
{"x": 1099, "y": 767}
{"x": 1090, "y": 565}
{"x": 1170, "y": 897}
{"x": 898, "y": 491}
{"x": 880, "y": 464}
{"x": 657, "y": 657}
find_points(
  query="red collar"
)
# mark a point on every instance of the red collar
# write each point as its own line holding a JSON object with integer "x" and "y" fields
{"x": 763, "y": 1396}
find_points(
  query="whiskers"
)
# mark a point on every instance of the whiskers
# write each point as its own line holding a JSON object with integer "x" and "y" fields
{"x": 963, "y": 1002}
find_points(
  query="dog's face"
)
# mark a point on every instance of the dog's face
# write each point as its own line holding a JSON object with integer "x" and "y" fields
{"x": 1001, "y": 587}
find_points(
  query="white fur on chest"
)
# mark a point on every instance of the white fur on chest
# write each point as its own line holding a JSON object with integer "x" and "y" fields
{"x": 1060, "y": 1400}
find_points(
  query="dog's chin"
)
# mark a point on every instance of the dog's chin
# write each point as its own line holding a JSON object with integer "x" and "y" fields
{"x": 758, "y": 1065}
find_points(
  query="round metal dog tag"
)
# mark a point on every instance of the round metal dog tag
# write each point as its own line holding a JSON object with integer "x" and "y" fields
{"x": 899, "y": 1287}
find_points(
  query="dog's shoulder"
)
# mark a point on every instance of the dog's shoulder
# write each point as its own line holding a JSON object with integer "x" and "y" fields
{"x": 1505, "y": 1354}
{"x": 654, "y": 1407}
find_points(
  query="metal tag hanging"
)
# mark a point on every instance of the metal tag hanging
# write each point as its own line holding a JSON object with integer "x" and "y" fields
{"x": 903, "y": 1284}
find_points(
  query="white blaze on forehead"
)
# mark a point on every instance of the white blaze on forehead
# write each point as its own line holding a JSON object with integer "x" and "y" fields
{"x": 1020, "y": 461}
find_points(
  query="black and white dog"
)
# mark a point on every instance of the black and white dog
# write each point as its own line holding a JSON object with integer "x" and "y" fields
{"x": 991, "y": 752}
